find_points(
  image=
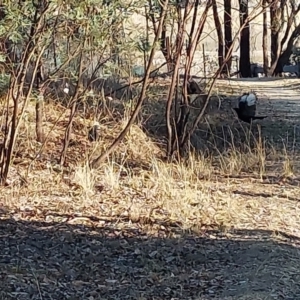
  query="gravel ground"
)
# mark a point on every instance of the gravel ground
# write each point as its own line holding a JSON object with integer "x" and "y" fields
{"x": 63, "y": 261}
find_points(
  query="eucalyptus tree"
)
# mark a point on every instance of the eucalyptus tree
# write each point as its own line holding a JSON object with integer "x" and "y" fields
{"x": 47, "y": 43}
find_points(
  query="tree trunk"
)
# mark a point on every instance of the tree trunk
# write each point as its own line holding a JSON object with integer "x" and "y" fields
{"x": 285, "y": 55}
{"x": 291, "y": 16}
{"x": 265, "y": 40}
{"x": 164, "y": 41}
{"x": 245, "y": 68}
{"x": 275, "y": 19}
{"x": 39, "y": 107}
{"x": 219, "y": 33}
{"x": 165, "y": 48}
{"x": 227, "y": 34}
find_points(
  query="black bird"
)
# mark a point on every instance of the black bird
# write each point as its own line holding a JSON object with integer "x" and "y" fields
{"x": 193, "y": 88}
{"x": 247, "y": 108}
{"x": 94, "y": 132}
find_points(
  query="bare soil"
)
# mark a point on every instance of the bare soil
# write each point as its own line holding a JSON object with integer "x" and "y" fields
{"x": 63, "y": 261}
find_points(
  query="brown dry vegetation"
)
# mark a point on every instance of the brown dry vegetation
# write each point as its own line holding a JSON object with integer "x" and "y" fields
{"x": 222, "y": 225}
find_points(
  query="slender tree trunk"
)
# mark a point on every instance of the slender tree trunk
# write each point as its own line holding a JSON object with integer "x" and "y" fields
{"x": 245, "y": 68}
{"x": 165, "y": 45}
{"x": 39, "y": 107}
{"x": 219, "y": 33}
{"x": 275, "y": 18}
{"x": 227, "y": 34}
{"x": 265, "y": 41}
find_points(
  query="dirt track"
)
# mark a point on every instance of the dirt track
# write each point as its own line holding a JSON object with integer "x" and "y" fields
{"x": 279, "y": 99}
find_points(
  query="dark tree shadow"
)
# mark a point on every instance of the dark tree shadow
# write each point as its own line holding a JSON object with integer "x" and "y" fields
{"x": 264, "y": 195}
{"x": 50, "y": 260}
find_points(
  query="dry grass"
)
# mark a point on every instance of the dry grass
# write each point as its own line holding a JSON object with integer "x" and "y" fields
{"x": 197, "y": 191}
{"x": 252, "y": 187}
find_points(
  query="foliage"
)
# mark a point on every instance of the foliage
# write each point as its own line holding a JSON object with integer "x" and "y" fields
{"x": 44, "y": 42}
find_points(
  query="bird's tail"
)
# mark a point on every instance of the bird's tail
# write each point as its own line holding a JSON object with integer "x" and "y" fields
{"x": 259, "y": 117}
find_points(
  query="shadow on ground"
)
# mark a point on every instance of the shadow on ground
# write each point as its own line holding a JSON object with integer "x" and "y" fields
{"x": 54, "y": 260}
{"x": 264, "y": 195}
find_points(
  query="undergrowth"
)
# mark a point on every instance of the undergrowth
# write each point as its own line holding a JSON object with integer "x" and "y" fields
{"x": 138, "y": 184}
